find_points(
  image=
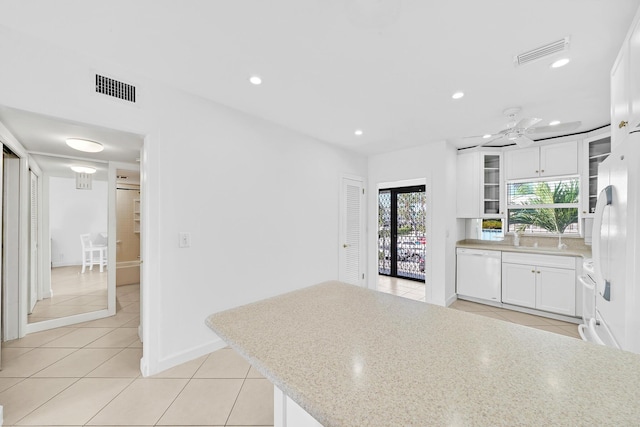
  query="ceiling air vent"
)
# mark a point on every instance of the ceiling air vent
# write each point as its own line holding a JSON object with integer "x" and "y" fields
{"x": 114, "y": 88}
{"x": 542, "y": 51}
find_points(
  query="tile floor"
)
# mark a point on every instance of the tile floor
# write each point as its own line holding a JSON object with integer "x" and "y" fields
{"x": 89, "y": 374}
{"x": 73, "y": 293}
{"x": 416, "y": 290}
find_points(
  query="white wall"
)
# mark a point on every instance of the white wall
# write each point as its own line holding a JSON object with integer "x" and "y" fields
{"x": 261, "y": 202}
{"x": 73, "y": 212}
{"x": 435, "y": 163}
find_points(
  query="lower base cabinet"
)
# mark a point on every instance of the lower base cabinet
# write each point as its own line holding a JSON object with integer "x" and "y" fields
{"x": 543, "y": 282}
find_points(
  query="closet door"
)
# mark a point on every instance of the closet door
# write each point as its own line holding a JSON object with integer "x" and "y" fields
{"x": 351, "y": 249}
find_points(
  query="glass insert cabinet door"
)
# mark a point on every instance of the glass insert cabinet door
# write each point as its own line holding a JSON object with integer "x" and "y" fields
{"x": 402, "y": 232}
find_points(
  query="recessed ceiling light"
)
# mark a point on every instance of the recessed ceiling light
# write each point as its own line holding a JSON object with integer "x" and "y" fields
{"x": 554, "y": 122}
{"x": 457, "y": 95}
{"x": 256, "y": 80}
{"x": 85, "y": 145}
{"x": 83, "y": 169}
{"x": 487, "y": 136}
{"x": 358, "y": 132}
{"x": 560, "y": 63}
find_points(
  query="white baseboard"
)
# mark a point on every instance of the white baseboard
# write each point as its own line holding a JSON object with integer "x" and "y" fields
{"x": 179, "y": 358}
{"x": 451, "y": 300}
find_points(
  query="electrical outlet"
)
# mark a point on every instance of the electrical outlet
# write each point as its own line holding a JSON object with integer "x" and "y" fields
{"x": 185, "y": 240}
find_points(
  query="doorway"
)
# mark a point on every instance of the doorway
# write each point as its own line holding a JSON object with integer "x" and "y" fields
{"x": 402, "y": 232}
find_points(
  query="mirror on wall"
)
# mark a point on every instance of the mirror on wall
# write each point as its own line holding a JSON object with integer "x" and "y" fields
{"x": 76, "y": 216}
{"x": 71, "y": 260}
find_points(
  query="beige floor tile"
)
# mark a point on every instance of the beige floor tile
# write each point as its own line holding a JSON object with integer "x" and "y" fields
{"x": 571, "y": 331}
{"x": 78, "y": 338}
{"x": 28, "y": 395}
{"x": 491, "y": 314}
{"x": 131, "y": 307}
{"x": 142, "y": 402}
{"x": 125, "y": 364}
{"x": 10, "y": 353}
{"x": 77, "y": 404}
{"x": 224, "y": 363}
{"x": 551, "y": 328}
{"x": 120, "y": 319}
{"x": 33, "y": 361}
{"x": 133, "y": 323}
{"x": 38, "y": 338}
{"x": 117, "y": 338}
{"x": 79, "y": 363}
{"x": 469, "y": 306}
{"x": 203, "y": 402}
{"x": 254, "y": 405}
{"x": 5, "y": 383}
{"x": 185, "y": 370}
{"x": 253, "y": 373}
{"x": 525, "y": 319}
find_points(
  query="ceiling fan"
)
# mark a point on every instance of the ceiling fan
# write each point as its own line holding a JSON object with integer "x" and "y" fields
{"x": 517, "y": 132}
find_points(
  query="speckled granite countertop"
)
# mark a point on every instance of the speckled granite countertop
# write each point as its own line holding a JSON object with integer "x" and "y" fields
{"x": 576, "y": 250}
{"x": 355, "y": 357}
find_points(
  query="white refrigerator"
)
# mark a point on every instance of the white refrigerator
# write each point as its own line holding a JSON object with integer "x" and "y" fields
{"x": 616, "y": 247}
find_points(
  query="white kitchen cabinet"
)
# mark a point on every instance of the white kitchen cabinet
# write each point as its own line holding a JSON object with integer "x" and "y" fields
{"x": 543, "y": 282}
{"x": 479, "y": 184}
{"x": 547, "y": 160}
{"x": 519, "y": 284}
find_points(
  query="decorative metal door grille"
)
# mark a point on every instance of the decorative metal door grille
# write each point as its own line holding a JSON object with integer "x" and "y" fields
{"x": 402, "y": 232}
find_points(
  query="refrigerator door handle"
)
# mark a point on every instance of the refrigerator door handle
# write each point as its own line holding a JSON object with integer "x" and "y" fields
{"x": 605, "y": 198}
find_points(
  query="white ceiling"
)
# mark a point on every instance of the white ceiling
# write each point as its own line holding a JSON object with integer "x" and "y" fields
{"x": 388, "y": 67}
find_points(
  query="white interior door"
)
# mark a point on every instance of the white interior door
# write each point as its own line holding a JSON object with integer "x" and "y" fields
{"x": 352, "y": 232}
{"x": 1, "y": 256}
{"x": 33, "y": 243}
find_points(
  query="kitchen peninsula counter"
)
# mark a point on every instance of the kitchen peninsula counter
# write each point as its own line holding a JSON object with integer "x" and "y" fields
{"x": 356, "y": 357}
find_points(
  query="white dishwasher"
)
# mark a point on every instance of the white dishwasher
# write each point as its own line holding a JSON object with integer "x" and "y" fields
{"x": 479, "y": 274}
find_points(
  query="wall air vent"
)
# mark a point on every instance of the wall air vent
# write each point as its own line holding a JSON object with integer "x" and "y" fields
{"x": 115, "y": 88}
{"x": 542, "y": 51}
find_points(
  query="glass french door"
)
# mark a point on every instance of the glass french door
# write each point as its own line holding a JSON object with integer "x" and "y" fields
{"x": 402, "y": 232}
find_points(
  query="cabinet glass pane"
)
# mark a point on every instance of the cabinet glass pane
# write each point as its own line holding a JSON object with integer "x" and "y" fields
{"x": 492, "y": 161}
{"x": 600, "y": 147}
{"x": 491, "y": 206}
{"x": 491, "y": 176}
{"x": 492, "y": 192}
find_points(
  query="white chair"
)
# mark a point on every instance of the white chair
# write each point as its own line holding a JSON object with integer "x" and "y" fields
{"x": 92, "y": 254}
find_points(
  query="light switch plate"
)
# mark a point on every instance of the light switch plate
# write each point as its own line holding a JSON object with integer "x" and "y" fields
{"x": 185, "y": 240}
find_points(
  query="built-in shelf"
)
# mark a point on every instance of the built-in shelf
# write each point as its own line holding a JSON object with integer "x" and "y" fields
{"x": 136, "y": 216}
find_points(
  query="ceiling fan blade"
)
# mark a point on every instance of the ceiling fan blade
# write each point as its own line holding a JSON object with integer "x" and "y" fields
{"x": 527, "y": 122}
{"x": 562, "y": 127}
{"x": 522, "y": 141}
{"x": 496, "y": 137}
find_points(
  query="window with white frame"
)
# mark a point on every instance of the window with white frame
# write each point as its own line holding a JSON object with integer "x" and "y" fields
{"x": 549, "y": 207}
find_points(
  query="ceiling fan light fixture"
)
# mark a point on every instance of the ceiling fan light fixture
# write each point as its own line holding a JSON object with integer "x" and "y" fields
{"x": 457, "y": 95}
{"x": 85, "y": 145}
{"x": 83, "y": 169}
{"x": 255, "y": 80}
{"x": 560, "y": 63}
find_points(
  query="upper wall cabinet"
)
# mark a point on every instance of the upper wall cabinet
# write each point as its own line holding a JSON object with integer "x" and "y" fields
{"x": 479, "y": 184}
{"x": 595, "y": 150}
{"x": 625, "y": 87}
{"x": 546, "y": 160}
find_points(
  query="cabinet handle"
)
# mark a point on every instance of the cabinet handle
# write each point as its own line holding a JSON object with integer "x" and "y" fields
{"x": 584, "y": 212}
{"x": 536, "y": 171}
{"x": 538, "y": 272}
{"x": 622, "y": 124}
{"x": 542, "y": 171}
{"x": 533, "y": 271}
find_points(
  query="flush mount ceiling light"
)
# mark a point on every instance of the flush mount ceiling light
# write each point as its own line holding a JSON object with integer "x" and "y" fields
{"x": 560, "y": 63}
{"x": 457, "y": 95}
{"x": 85, "y": 145}
{"x": 554, "y": 123}
{"x": 255, "y": 80}
{"x": 358, "y": 132}
{"x": 83, "y": 169}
